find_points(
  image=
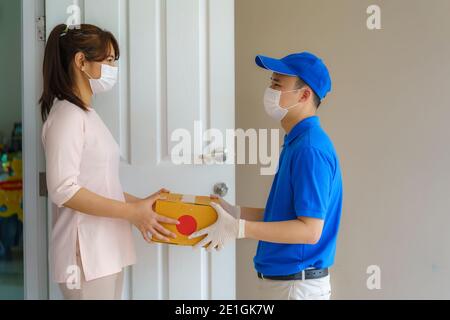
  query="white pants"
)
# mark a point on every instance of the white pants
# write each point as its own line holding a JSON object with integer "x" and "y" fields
{"x": 314, "y": 289}
{"x": 106, "y": 288}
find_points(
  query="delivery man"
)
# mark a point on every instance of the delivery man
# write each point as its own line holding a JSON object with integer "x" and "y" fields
{"x": 299, "y": 227}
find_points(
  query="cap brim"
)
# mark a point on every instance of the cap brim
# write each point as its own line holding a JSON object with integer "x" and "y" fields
{"x": 274, "y": 65}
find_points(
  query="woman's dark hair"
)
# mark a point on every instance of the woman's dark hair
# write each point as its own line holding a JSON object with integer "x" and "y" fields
{"x": 62, "y": 46}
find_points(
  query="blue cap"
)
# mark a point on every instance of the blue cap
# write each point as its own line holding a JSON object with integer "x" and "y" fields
{"x": 305, "y": 65}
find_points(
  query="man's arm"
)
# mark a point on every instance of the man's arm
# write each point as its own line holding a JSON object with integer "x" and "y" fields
{"x": 304, "y": 230}
{"x": 301, "y": 231}
{"x": 252, "y": 214}
{"x": 245, "y": 213}
{"x": 311, "y": 190}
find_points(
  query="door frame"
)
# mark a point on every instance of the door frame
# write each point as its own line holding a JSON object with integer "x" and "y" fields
{"x": 35, "y": 239}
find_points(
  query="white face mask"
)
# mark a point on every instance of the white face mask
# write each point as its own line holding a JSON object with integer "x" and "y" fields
{"x": 107, "y": 80}
{"x": 272, "y": 99}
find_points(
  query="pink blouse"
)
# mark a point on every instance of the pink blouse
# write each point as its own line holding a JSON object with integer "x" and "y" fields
{"x": 81, "y": 153}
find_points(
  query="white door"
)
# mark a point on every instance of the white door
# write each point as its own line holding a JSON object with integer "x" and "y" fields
{"x": 35, "y": 228}
{"x": 176, "y": 68}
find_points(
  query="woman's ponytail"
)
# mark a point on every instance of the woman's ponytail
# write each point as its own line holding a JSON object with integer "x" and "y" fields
{"x": 56, "y": 78}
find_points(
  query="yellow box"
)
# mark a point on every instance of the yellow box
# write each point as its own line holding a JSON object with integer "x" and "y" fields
{"x": 193, "y": 212}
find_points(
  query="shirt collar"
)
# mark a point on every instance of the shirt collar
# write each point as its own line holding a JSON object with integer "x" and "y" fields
{"x": 301, "y": 128}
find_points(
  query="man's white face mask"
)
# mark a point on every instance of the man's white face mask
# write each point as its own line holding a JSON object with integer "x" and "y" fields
{"x": 272, "y": 99}
{"x": 107, "y": 80}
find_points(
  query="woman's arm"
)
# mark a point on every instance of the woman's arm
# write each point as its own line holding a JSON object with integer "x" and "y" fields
{"x": 63, "y": 139}
{"x": 91, "y": 203}
{"x": 129, "y": 198}
{"x": 140, "y": 213}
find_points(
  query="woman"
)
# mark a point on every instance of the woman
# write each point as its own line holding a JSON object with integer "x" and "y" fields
{"x": 92, "y": 238}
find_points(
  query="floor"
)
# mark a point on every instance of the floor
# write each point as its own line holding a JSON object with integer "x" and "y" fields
{"x": 11, "y": 277}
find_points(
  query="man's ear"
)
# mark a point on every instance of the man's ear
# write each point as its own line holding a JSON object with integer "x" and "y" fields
{"x": 306, "y": 94}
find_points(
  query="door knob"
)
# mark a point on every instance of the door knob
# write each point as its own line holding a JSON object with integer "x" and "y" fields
{"x": 221, "y": 189}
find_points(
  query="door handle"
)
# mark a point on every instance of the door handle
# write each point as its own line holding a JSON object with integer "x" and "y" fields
{"x": 217, "y": 155}
{"x": 221, "y": 189}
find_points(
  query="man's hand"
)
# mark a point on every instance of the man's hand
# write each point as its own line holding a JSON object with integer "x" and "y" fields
{"x": 235, "y": 211}
{"x": 244, "y": 213}
{"x": 227, "y": 228}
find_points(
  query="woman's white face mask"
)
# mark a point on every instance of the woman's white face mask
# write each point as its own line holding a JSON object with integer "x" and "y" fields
{"x": 107, "y": 81}
{"x": 272, "y": 99}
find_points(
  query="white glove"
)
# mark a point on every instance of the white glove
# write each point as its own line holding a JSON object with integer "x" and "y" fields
{"x": 227, "y": 228}
{"x": 235, "y": 211}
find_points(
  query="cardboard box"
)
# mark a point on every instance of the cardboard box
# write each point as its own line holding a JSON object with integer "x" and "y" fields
{"x": 193, "y": 212}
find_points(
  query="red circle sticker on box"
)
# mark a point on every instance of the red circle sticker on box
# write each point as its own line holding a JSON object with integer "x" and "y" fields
{"x": 187, "y": 226}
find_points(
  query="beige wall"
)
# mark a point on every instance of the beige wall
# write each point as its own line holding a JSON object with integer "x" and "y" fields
{"x": 389, "y": 118}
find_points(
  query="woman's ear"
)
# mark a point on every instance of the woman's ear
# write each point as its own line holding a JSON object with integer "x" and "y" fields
{"x": 79, "y": 61}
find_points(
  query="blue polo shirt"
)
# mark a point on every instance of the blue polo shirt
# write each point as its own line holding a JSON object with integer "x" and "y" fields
{"x": 308, "y": 184}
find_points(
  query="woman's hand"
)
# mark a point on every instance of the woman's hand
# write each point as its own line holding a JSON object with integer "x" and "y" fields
{"x": 147, "y": 221}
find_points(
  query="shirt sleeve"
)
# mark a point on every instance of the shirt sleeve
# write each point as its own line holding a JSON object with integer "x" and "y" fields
{"x": 312, "y": 177}
{"x": 63, "y": 139}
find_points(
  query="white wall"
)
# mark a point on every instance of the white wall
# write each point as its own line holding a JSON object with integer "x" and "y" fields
{"x": 388, "y": 117}
{"x": 10, "y": 66}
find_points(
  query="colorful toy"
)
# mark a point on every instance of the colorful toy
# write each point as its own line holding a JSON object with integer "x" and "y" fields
{"x": 11, "y": 192}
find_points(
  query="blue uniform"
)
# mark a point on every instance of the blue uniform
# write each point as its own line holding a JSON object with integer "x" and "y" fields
{"x": 308, "y": 184}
